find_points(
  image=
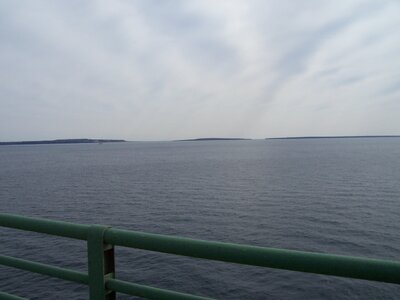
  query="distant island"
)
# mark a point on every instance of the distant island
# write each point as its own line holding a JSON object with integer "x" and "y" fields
{"x": 63, "y": 141}
{"x": 334, "y": 137}
{"x": 212, "y": 139}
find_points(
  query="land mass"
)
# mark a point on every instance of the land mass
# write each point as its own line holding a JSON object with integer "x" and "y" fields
{"x": 334, "y": 137}
{"x": 212, "y": 139}
{"x": 63, "y": 141}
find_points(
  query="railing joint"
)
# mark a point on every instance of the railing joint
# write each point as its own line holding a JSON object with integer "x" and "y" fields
{"x": 101, "y": 263}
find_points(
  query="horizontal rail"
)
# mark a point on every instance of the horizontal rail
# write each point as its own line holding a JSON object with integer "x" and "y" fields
{"x": 5, "y": 296}
{"x": 44, "y": 269}
{"x": 327, "y": 264}
{"x": 58, "y": 228}
{"x": 79, "y": 277}
{"x": 148, "y": 292}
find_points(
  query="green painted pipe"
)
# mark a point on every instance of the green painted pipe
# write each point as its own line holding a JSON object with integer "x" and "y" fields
{"x": 337, "y": 265}
{"x": 327, "y": 264}
{"x": 44, "y": 269}
{"x": 5, "y": 296}
{"x": 59, "y": 228}
{"x": 148, "y": 292}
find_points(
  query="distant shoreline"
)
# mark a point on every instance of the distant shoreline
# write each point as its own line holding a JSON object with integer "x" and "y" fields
{"x": 101, "y": 141}
{"x": 63, "y": 141}
{"x": 334, "y": 137}
{"x": 212, "y": 139}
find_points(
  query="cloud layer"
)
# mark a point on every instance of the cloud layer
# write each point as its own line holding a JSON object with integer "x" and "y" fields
{"x": 156, "y": 70}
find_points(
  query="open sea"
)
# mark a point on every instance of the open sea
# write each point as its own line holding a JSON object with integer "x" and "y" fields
{"x": 339, "y": 196}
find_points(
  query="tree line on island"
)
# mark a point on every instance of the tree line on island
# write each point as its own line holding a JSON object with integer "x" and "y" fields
{"x": 64, "y": 141}
{"x": 101, "y": 141}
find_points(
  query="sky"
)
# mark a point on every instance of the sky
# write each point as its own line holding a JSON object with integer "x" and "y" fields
{"x": 162, "y": 70}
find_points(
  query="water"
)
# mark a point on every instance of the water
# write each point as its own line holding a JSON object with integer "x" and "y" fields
{"x": 337, "y": 196}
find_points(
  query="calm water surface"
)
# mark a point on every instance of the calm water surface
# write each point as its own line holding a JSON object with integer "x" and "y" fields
{"x": 327, "y": 195}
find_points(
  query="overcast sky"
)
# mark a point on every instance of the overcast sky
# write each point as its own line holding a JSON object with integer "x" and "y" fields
{"x": 159, "y": 70}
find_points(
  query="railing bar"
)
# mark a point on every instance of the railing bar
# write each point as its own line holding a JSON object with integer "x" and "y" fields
{"x": 148, "y": 292}
{"x": 327, "y": 264}
{"x": 319, "y": 263}
{"x": 5, "y": 296}
{"x": 44, "y": 269}
{"x": 58, "y": 228}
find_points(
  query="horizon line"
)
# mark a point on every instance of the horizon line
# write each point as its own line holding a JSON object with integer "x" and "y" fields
{"x": 333, "y": 137}
{"x": 213, "y": 138}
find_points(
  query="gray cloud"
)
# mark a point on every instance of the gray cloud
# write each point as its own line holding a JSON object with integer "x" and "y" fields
{"x": 174, "y": 69}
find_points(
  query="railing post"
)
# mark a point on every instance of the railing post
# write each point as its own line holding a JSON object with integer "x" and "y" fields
{"x": 101, "y": 264}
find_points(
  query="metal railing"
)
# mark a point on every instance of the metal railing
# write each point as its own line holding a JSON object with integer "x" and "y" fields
{"x": 102, "y": 239}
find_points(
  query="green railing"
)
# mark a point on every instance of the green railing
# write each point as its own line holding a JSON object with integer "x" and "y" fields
{"x": 102, "y": 239}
